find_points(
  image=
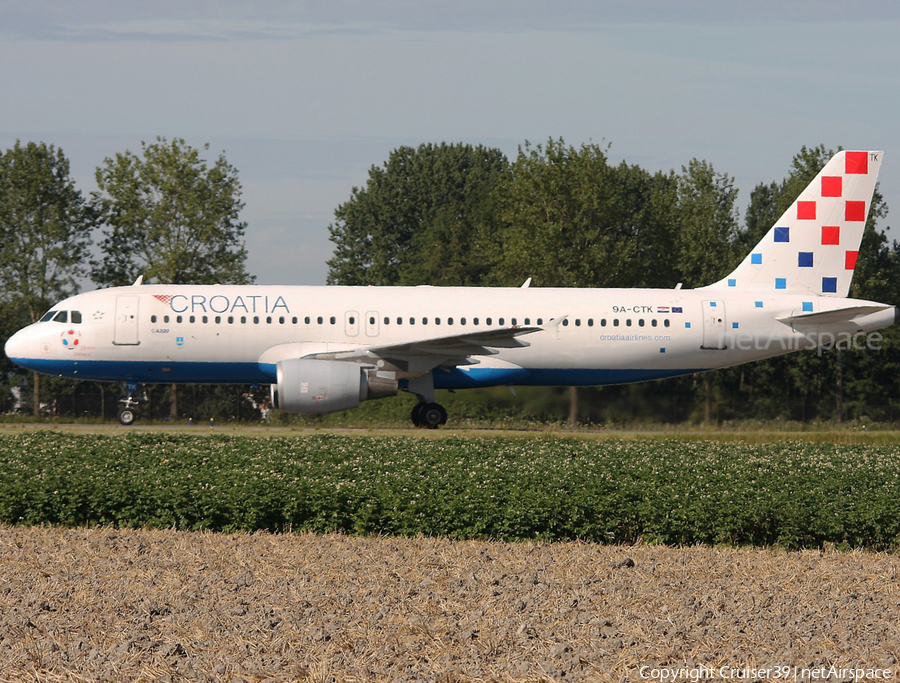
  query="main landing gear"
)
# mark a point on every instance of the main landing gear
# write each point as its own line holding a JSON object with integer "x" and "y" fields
{"x": 429, "y": 415}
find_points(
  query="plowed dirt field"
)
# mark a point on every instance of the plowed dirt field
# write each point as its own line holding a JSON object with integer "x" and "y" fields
{"x": 116, "y": 605}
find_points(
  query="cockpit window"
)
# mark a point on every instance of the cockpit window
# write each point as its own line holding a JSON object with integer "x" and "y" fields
{"x": 48, "y": 316}
{"x": 61, "y": 317}
{"x": 76, "y": 317}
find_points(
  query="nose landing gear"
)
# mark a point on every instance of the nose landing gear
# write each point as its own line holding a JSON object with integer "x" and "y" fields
{"x": 128, "y": 410}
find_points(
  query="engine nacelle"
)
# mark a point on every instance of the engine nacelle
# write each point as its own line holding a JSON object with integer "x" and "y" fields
{"x": 317, "y": 387}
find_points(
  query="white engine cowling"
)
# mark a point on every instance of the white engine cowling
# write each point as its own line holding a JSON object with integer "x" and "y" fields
{"x": 317, "y": 387}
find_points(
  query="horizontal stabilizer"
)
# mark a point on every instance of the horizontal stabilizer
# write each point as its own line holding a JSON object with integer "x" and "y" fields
{"x": 837, "y": 315}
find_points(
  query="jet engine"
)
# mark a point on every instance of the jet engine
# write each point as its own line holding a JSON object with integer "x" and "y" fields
{"x": 317, "y": 387}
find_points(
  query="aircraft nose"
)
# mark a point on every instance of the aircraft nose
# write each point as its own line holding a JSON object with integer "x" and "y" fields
{"x": 16, "y": 347}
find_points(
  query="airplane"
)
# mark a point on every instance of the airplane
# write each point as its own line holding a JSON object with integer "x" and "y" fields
{"x": 326, "y": 349}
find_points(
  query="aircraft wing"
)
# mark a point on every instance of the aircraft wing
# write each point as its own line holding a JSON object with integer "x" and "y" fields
{"x": 422, "y": 355}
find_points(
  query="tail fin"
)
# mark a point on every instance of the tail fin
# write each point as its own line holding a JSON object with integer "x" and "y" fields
{"x": 813, "y": 246}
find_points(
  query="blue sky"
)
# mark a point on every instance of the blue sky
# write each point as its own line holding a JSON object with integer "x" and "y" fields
{"x": 303, "y": 97}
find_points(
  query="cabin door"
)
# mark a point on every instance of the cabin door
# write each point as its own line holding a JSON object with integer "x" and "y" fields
{"x": 714, "y": 325}
{"x": 126, "y": 331}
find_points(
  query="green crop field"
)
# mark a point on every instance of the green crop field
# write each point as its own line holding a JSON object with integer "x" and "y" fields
{"x": 787, "y": 494}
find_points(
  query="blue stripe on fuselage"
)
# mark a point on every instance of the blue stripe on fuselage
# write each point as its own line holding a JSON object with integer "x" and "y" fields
{"x": 549, "y": 377}
{"x": 258, "y": 373}
{"x": 152, "y": 371}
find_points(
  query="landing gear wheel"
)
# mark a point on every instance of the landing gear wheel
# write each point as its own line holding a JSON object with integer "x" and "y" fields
{"x": 416, "y": 414}
{"x": 432, "y": 415}
{"x": 127, "y": 416}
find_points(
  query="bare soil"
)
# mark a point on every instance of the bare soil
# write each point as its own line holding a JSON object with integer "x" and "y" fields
{"x": 117, "y": 605}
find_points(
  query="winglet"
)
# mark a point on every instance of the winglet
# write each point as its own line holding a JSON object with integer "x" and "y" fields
{"x": 139, "y": 281}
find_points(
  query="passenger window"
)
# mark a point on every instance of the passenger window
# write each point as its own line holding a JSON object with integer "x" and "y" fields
{"x": 152, "y": 318}
{"x": 193, "y": 319}
{"x": 666, "y": 322}
{"x": 412, "y": 321}
{"x": 437, "y": 321}
{"x": 615, "y": 322}
{"x": 653, "y": 323}
{"x": 628, "y": 322}
{"x": 641, "y": 322}
{"x": 281, "y": 320}
{"x": 577, "y": 322}
{"x": 540, "y": 321}
{"x": 61, "y": 317}
{"x": 462, "y": 321}
{"x": 527, "y": 321}
{"x": 352, "y": 320}
{"x": 231, "y": 320}
{"x": 387, "y": 321}
{"x": 218, "y": 319}
{"x": 243, "y": 320}
{"x": 474, "y": 321}
{"x": 47, "y": 316}
{"x": 566, "y": 322}
{"x": 179, "y": 319}
{"x": 424, "y": 321}
{"x": 320, "y": 320}
{"x": 372, "y": 320}
{"x": 306, "y": 320}
{"x": 165, "y": 318}
{"x": 487, "y": 321}
{"x": 295, "y": 320}
{"x": 602, "y": 322}
{"x": 76, "y": 317}
{"x": 590, "y": 322}
{"x": 268, "y": 320}
{"x": 205, "y": 319}
{"x": 500, "y": 321}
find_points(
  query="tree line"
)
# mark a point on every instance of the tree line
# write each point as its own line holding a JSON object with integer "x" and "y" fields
{"x": 458, "y": 214}
{"x": 445, "y": 214}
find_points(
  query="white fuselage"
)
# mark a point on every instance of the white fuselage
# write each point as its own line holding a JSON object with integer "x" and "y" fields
{"x": 166, "y": 333}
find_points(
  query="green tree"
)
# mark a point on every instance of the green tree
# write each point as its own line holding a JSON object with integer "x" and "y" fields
{"x": 170, "y": 217}
{"x": 571, "y": 219}
{"x": 707, "y": 224}
{"x": 424, "y": 217}
{"x": 45, "y": 228}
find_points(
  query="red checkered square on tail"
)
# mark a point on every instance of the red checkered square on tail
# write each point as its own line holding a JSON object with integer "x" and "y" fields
{"x": 856, "y": 162}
